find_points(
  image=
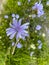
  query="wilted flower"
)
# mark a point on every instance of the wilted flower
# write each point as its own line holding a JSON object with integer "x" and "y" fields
{"x": 17, "y": 30}
{"x": 6, "y": 16}
{"x": 19, "y": 45}
{"x": 38, "y": 27}
{"x": 39, "y": 8}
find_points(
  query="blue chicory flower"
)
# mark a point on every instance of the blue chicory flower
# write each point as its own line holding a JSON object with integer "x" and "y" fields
{"x": 38, "y": 27}
{"x": 13, "y": 15}
{"x": 17, "y": 30}
{"x": 40, "y": 13}
{"x": 19, "y": 45}
{"x": 39, "y": 8}
{"x": 17, "y": 16}
{"x": 39, "y": 41}
{"x": 40, "y": 46}
{"x": 19, "y": 3}
{"x": 6, "y": 16}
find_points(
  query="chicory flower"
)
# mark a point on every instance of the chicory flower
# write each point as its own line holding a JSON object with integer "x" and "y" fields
{"x": 39, "y": 8}
{"x": 17, "y": 30}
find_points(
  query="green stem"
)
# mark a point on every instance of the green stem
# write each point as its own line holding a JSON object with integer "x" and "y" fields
{"x": 14, "y": 48}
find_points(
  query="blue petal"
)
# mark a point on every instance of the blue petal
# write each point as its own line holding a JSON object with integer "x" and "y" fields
{"x": 18, "y": 36}
{"x": 25, "y": 26}
{"x": 19, "y": 45}
{"x": 15, "y": 22}
{"x": 13, "y": 15}
{"x": 20, "y": 20}
{"x": 12, "y": 35}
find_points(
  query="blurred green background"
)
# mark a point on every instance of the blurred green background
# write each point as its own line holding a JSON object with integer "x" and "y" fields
{"x": 22, "y": 56}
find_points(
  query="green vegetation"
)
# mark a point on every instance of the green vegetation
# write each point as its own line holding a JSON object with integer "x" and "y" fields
{"x": 22, "y": 55}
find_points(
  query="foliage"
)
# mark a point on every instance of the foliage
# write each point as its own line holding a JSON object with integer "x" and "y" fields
{"x": 22, "y": 56}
